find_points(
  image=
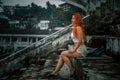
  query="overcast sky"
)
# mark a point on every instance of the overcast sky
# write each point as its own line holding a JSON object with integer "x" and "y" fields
{"x": 26, "y": 2}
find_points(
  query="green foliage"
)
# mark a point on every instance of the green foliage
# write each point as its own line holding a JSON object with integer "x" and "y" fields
{"x": 56, "y": 16}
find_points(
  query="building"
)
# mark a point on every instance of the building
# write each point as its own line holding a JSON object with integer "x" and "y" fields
{"x": 79, "y": 4}
{"x": 1, "y": 6}
{"x": 15, "y": 24}
{"x": 12, "y": 40}
{"x": 65, "y": 7}
{"x": 44, "y": 24}
{"x": 18, "y": 24}
{"x": 9, "y": 9}
{"x": 1, "y": 9}
{"x": 24, "y": 24}
{"x": 3, "y": 19}
{"x": 1, "y": 3}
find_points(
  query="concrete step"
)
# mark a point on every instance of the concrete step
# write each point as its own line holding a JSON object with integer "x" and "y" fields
{"x": 39, "y": 71}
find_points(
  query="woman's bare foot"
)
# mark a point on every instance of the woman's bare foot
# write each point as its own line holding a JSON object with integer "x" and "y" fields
{"x": 72, "y": 72}
{"x": 54, "y": 73}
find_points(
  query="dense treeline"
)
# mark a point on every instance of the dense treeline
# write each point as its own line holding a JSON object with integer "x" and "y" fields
{"x": 57, "y": 17}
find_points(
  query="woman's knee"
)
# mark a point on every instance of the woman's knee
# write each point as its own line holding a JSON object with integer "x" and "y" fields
{"x": 60, "y": 58}
{"x": 63, "y": 53}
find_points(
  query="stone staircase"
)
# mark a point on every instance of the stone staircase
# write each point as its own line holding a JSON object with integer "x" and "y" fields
{"x": 41, "y": 48}
{"x": 38, "y": 70}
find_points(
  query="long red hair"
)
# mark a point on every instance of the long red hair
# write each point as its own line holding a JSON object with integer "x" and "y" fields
{"x": 78, "y": 23}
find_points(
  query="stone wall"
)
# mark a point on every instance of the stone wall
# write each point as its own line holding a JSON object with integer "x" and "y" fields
{"x": 113, "y": 46}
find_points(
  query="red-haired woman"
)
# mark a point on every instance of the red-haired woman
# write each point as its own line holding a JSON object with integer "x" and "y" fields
{"x": 79, "y": 50}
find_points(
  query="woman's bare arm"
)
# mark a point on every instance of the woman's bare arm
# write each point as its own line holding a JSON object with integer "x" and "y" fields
{"x": 80, "y": 34}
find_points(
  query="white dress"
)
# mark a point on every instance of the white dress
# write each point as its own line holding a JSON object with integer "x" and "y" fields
{"x": 82, "y": 49}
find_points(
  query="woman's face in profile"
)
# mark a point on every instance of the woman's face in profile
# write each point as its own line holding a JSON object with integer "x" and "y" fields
{"x": 73, "y": 19}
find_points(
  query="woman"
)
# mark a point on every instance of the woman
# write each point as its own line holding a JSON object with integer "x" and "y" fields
{"x": 79, "y": 50}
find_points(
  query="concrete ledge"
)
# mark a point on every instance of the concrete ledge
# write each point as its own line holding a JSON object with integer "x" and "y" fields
{"x": 96, "y": 68}
{"x": 98, "y": 58}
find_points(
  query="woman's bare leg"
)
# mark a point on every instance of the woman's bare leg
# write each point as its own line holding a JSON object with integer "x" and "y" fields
{"x": 66, "y": 57}
{"x": 68, "y": 62}
{"x": 59, "y": 65}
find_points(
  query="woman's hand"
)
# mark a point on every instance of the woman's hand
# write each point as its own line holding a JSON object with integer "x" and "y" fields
{"x": 72, "y": 51}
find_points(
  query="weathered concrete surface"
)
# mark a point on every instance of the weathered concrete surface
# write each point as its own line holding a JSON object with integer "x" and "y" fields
{"x": 39, "y": 70}
{"x": 97, "y": 68}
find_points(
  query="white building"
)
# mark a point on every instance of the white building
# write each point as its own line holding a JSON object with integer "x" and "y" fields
{"x": 15, "y": 42}
{"x": 14, "y": 23}
{"x": 44, "y": 24}
{"x": 17, "y": 24}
